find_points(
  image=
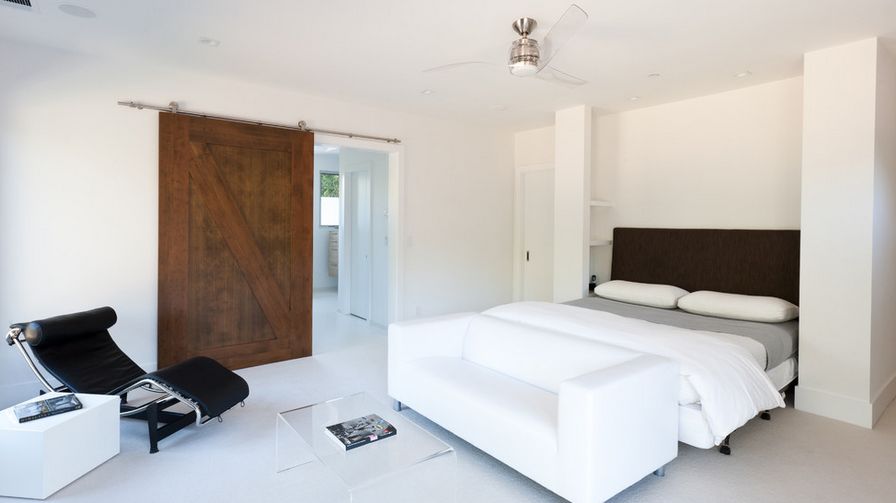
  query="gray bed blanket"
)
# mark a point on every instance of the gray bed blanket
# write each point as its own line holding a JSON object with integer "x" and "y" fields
{"x": 779, "y": 339}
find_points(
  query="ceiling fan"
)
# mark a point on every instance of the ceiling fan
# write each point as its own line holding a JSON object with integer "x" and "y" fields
{"x": 529, "y": 58}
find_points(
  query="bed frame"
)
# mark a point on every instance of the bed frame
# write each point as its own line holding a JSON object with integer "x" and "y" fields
{"x": 750, "y": 262}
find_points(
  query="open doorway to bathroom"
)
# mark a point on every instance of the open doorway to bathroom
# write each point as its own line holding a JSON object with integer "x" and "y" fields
{"x": 351, "y": 246}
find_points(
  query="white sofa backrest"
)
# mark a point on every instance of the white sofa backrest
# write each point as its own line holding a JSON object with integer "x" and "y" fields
{"x": 539, "y": 357}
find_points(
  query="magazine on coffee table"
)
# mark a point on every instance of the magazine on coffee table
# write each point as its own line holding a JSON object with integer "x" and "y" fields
{"x": 49, "y": 407}
{"x": 360, "y": 431}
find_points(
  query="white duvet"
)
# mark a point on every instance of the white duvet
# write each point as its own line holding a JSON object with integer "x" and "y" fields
{"x": 732, "y": 386}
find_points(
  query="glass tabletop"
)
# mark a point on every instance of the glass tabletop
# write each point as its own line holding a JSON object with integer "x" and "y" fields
{"x": 301, "y": 438}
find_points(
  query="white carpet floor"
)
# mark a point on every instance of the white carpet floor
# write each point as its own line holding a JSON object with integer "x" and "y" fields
{"x": 794, "y": 457}
{"x": 334, "y": 331}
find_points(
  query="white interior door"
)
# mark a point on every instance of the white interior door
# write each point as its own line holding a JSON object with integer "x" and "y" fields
{"x": 538, "y": 234}
{"x": 359, "y": 291}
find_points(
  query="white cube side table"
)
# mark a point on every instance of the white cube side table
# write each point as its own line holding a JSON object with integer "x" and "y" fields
{"x": 41, "y": 457}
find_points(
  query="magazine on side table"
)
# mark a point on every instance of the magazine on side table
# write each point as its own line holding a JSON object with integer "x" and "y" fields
{"x": 360, "y": 431}
{"x": 30, "y": 411}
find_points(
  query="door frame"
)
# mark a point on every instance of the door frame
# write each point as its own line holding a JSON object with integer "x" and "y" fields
{"x": 518, "y": 225}
{"x": 396, "y": 205}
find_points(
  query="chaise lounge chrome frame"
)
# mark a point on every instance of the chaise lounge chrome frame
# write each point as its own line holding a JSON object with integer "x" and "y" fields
{"x": 153, "y": 411}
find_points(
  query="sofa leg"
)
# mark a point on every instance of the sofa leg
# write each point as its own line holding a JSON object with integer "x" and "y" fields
{"x": 660, "y": 472}
{"x": 397, "y": 406}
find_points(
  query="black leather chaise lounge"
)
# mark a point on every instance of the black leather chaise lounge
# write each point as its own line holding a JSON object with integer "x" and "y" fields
{"x": 78, "y": 351}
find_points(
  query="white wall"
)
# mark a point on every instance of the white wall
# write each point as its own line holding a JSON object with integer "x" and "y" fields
{"x": 80, "y": 204}
{"x": 729, "y": 160}
{"x": 328, "y": 163}
{"x": 534, "y": 146}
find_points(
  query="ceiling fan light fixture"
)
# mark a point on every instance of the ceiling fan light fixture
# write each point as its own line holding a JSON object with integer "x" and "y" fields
{"x": 523, "y": 69}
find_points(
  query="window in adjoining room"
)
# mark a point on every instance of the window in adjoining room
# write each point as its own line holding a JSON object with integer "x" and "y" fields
{"x": 329, "y": 199}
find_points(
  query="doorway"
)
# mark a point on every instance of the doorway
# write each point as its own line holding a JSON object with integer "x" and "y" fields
{"x": 352, "y": 252}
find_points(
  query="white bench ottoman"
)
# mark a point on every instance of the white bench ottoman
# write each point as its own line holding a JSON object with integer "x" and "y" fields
{"x": 41, "y": 457}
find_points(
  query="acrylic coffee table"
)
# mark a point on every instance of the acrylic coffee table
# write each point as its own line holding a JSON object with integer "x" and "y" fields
{"x": 412, "y": 466}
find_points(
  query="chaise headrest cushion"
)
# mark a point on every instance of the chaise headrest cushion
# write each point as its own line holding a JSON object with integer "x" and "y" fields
{"x": 68, "y": 326}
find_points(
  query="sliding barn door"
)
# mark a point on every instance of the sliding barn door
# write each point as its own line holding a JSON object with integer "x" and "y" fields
{"x": 235, "y": 241}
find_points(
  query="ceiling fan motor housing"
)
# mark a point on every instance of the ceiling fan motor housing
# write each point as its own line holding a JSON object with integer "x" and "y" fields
{"x": 524, "y": 55}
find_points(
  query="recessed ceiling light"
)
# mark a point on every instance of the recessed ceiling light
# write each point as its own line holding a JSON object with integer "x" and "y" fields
{"x": 211, "y": 42}
{"x": 76, "y": 10}
{"x": 654, "y": 75}
{"x": 634, "y": 98}
{"x": 427, "y": 92}
{"x": 743, "y": 74}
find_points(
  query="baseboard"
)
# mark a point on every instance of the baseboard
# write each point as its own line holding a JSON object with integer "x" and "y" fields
{"x": 883, "y": 398}
{"x": 840, "y": 407}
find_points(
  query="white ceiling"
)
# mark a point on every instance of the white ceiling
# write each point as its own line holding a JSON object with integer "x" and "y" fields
{"x": 373, "y": 51}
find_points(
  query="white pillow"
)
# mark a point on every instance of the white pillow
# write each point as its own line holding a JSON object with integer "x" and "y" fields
{"x": 739, "y": 307}
{"x": 645, "y": 294}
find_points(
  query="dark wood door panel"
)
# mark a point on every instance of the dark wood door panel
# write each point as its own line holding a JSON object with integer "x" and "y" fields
{"x": 241, "y": 245}
{"x": 231, "y": 315}
{"x": 247, "y": 172}
{"x": 235, "y": 239}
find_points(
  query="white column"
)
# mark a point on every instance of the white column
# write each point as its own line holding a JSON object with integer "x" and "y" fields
{"x": 846, "y": 243}
{"x": 883, "y": 276}
{"x": 572, "y": 194}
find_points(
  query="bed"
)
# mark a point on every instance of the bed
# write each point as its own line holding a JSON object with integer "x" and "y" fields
{"x": 750, "y": 262}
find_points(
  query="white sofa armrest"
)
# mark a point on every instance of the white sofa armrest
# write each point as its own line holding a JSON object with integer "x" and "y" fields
{"x": 415, "y": 339}
{"x": 617, "y": 425}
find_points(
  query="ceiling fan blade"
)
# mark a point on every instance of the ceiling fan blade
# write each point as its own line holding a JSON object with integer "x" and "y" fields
{"x": 555, "y": 76}
{"x": 452, "y": 66}
{"x": 563, "y": 30}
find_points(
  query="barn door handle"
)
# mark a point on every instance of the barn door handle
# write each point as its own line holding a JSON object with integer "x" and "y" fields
{"x": 527, "y": 255}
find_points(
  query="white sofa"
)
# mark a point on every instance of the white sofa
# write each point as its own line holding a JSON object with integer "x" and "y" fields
{"x": 581, "y": 418}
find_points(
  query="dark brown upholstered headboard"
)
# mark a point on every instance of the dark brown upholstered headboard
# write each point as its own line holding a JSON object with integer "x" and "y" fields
{"x": 751, "y": 262}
